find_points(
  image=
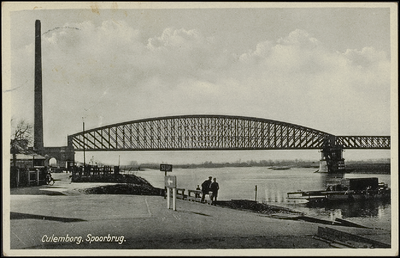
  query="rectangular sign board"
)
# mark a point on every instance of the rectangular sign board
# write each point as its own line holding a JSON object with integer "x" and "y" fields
{"x": 166, "y": 167}
{"x": 170, "y": 181}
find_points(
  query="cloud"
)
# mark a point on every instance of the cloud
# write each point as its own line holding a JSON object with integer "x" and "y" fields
{"x": 365, "y": 57}
{"x": 299, "y": 38}
{"x": 109, "y": 73}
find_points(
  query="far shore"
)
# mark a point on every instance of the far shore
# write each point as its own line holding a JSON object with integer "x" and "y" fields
{"x": 356, "y": 167}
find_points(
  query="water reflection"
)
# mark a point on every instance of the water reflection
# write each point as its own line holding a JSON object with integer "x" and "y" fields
{"x": 364, "y": 209}
{"x": 332, "y": 178}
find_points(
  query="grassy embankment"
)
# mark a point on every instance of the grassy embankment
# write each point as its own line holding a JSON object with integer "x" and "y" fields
{"x": 127, "y": 184}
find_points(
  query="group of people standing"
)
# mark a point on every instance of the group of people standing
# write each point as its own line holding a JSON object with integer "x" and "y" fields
{"x": 211, "y": 188}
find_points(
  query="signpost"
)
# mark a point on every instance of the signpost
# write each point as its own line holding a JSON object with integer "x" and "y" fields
{"x": 170, "y": 182}
{"x": 166, "y": 168}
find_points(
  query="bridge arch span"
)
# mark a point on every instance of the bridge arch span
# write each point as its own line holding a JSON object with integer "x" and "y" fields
{"x": 199, "y": 132}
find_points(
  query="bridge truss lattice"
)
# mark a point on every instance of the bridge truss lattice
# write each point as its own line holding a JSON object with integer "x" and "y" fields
{"x": 214, "y": 132}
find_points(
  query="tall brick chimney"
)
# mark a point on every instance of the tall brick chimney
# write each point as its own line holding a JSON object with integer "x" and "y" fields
{"x": 38, "y": 124}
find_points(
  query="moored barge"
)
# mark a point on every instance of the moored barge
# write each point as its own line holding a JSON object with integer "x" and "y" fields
{"x": 346, "y": 190}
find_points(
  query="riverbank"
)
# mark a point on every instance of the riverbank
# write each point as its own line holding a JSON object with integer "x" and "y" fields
{"x": 245, "y": 205}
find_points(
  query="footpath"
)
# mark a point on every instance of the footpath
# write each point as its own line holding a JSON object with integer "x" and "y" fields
{"x": 61, "y": 217}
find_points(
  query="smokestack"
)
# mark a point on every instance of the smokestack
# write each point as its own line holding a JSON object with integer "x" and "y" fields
{"x": 38, "y": 125}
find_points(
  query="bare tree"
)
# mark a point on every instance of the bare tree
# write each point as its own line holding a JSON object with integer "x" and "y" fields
{"x": 22, "y": 131}
{"x": 21, "y": 137}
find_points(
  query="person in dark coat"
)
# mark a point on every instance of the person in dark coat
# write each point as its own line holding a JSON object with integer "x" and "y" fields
{"x": 214, "y": 191}
{"x": 205, "y": 188}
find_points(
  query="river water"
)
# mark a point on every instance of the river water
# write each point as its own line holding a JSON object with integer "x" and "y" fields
{"x": 271, "y": 186}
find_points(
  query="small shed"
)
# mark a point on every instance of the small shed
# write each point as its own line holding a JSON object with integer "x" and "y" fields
{"x": 28, "y": 160}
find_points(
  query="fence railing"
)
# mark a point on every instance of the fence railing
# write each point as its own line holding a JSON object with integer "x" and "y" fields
{"x": 192, "y": 195}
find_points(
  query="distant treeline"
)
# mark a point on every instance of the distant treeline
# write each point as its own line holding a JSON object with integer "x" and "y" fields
{"x": 369, "y": 166}
{"x": 361, "y": 167}
{"x": 252, "y": 163}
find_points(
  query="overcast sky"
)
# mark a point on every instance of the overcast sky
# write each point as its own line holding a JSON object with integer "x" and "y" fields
{"x": 324, "y": 68}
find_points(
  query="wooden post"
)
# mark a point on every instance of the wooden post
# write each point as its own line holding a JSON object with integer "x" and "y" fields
{"x": 17, "y": 176}
{"x": 255, "y": 193}
{"x": 165, "y": 188}
{"x": 37, "y": 176}
{"x": 278, "y": 196}
{"x": 174, "y": 198}
{"x": 168, "y": 196}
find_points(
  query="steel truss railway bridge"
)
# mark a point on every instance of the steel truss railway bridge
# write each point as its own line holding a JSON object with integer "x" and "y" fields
{"x": 220, "y": 132}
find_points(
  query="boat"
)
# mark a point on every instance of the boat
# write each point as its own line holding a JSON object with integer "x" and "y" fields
{"x": 346, "y": 190}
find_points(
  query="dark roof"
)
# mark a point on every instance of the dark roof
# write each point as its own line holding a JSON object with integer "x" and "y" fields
{"x": 27, "y": 156}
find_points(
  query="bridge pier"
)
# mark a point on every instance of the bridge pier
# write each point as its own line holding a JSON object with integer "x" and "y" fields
{"x": 323, "y": 167}
{"x": 332, "y": 160}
